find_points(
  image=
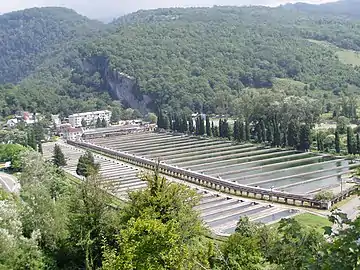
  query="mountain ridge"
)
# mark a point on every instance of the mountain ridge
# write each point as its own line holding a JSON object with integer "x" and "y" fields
{"x": 193, "y": 59}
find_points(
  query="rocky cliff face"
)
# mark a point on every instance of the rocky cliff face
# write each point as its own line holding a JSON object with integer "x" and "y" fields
{"x": 119, "y": 85}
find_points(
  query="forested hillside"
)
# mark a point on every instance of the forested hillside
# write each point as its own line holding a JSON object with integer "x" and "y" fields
{"x": 195, "y": 59}
{"x": 26, "y": 35}
{"x": 345, "y": 8}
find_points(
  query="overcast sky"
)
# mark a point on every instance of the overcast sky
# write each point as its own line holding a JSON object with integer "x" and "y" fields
{"x": 111, "y": 8}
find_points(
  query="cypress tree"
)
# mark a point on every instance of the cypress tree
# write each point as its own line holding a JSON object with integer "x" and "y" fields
{"x": 38, "y": 131}
{"x": 40, "y": 150}
{"x": 171, "y": 122}
{"x": 350, "y": 140}
{"x": 31, "y": 141}
{"x": 236, "y": 131}
{"x": 213, "y": 129}
{"x": 258, "y": 132}
{"x": 229, "y": 131}
{"x": 226, "y": 132}
{"x": 202, "y": 125}
{"x": 185, "y": 124}
{"x": 58, "y": 157}
{"x": 357, "y": 143}
{"x": 103, "y": 123}
{"x": 83, "y": 122}
{"x": 197, "y": 129}
{"x": 304, "y": 137}
{"x": 337, "y": 142}
{"x": 277, "y": 136}
{"x": 160, "y": 119}
{"x": 166, "y": 122}
{"x": 216, "y": 131}
{"x": 98, "y": 123}
{"x": 221, "y": 128}
{"x": 292, "y": 135}
{"x": 178, "y": 124}
{"x": 263, "y": 131}
{"x": 242, "y": 132}
{"x": 191, "y": 125}
{"x": 247, "y": 131}
{"x": 320, "y": 143}
{"x": 208, "y": 127}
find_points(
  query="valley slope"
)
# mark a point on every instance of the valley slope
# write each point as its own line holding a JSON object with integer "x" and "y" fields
{"x": 195, "y": 59}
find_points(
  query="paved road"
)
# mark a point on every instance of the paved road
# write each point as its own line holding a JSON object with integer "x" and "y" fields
{"x": 9, "y": 183}
{"x": 351, "y": 208}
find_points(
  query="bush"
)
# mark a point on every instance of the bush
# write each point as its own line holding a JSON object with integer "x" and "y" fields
{"x": 325, "y": 196}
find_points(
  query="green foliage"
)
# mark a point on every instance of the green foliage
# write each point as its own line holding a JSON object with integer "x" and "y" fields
{"x": 13, "y": 136}
{"x": 13, "y": 153}
{"x": 17, "y": 251}
{"x": 163, "y": 120}
{"x": 103, "y": 123}
{"x": 208, "y": 127}
{"x": 206, "y": 76}
{"x": 162, "y": 223}
{"x": 337, "y": 142}
{"x": 86, "y": 165}
{"x": 55, "y": 225}
{"x": 115, "y": 115}
{"x": 342, "y": 123}
{"x": 88, "y": 222}
{"x": 44, "y": 209}
{"x": 58, "y": 157}
{"x": 324, "y": 196}
{"x": 83, "y": 123}
{"x": 351, "y": 145}
{"x": 29, "y": 33}
{"x": 343, "y": 251}
{"x": 152, "y": 118}
{"x": 31, "y": 140}
{"x": 298, "y": 246}
{"x": 98, "y": 123}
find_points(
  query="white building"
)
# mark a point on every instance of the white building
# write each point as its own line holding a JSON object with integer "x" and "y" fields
{"x": 12, "y": 123}
{"x": 73, "y": 134}
{"x": 89, "y": 117}
{"x": 56, "y": 119}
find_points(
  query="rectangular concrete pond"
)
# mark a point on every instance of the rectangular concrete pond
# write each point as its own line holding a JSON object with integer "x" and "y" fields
{"x": 218, "y": 211}
{"x": 247, "y": 164}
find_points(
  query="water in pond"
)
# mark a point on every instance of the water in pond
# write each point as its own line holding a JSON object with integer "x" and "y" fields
{"x": 328, "y": 174}
{"x": 274, "y": 168}
{"x": 311, "y": 169}
{"x": 236, "y": 217}
{"x": 233, "y": 164}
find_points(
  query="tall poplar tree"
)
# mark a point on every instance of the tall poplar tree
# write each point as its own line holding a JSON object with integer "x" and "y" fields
{"x": 58, "y": 157}
{"x": 236, "y": 131}
{"x": 350, "y": 140}
{"x": 31, "y": 141}
{"x": 202, "y": 125}
{"x": 191, "y": 125}
{"x": 337, "y": 142}
{"x": 247, "y": 131}
{"x": 221, "y": 128}
{"x": 263, "y": 130}
{"x": 197, "y": 127}
{"x": 304, "y": 137}
{"x": 242, "y": 132}
{"x": 208, "y": 127}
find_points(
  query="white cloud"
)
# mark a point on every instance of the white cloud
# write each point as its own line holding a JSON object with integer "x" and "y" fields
{"x": 108, "y": 8}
